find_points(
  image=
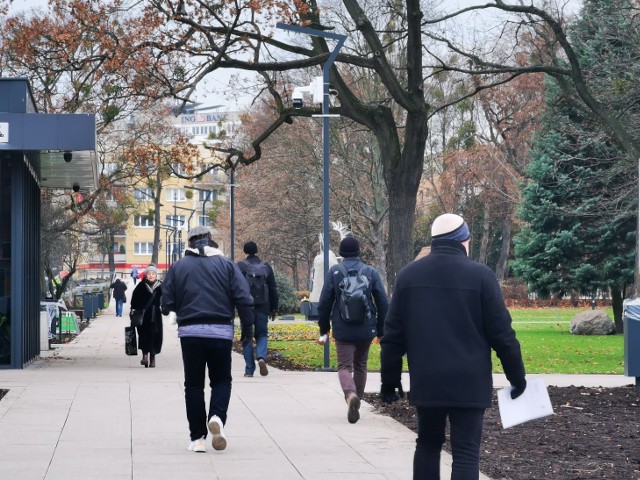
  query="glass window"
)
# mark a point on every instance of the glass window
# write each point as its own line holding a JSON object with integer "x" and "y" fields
{"x": 143, "y": 248}
{"x": 143, "y": 194}
{"x": 5, "y": 262}
{"x": 209, "y": 195}
{"x": 177, "y": 221}
{"x": 143, "y": 221}
{"x": 203, "y": 220}
{"x": 179, "y": 168}
{"x": 177, "y": 194}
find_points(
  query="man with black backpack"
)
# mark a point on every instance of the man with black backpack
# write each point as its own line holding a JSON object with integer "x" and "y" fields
{"x": 354, "y": 302}
{"x": 262, "y": 285}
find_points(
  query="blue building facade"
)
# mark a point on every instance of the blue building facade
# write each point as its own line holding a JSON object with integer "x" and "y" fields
{"x": 36, "y": 151}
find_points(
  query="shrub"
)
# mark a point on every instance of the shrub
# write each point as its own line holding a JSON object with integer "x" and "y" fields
{"x": 289, "y": 302}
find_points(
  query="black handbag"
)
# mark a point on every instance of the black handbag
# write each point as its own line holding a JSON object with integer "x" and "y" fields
{"x": 130, "y": 341}
{"x": 136, "y": 316}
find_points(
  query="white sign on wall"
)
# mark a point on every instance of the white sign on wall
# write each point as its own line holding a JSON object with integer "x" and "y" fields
{"x": 4, "y": 133}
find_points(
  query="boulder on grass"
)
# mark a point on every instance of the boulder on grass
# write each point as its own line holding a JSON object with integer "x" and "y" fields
{"x": 592, "y": 322}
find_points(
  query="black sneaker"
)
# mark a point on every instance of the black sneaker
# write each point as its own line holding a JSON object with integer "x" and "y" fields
{"x": 264, "y": 371}
{"x": 353, "y": 414}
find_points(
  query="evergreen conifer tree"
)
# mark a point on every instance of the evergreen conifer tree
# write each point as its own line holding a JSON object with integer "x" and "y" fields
{"x": 580, "y": 204}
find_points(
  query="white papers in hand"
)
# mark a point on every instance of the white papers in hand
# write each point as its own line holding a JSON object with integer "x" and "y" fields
{"x": 533, "y": 403}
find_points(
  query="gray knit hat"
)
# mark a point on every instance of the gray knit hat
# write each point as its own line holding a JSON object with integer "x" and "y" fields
{"x": 151, "y": 268}
{"x": 198, "y": 231}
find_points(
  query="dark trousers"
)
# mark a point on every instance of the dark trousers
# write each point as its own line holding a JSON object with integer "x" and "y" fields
{"x": 465, "y": 433}
{"x": 352, "y": 366}
{"x": 215, "y": 354}
{"x": 261, "y": 334}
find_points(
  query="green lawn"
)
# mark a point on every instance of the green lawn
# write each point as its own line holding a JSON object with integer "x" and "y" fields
{"x": 547, "y": 345}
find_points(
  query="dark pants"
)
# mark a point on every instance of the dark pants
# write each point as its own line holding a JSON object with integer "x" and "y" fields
{"x": 352, "y": 366}
{"x": 261, "y": 334}
{"x": 466, "y": 433}
{"x": 215, "y": 354}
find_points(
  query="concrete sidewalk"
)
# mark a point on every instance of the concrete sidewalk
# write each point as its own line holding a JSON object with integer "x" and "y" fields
{"x": 86, "y": 411}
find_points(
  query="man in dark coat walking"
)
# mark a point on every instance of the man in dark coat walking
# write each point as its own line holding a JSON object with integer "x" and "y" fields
{"x": 446, "y": 314}
{"x": 204, "y": 289}
{"x": 119, "y": 296}
{"x": 352, "y": 339}
{"x": 264, "y": 306}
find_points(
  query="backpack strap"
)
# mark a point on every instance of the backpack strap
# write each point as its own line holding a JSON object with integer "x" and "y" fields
{"x": 345, "y": 272}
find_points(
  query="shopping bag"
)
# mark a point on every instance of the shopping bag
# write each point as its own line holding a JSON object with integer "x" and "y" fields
{"x": 130, "y": 341}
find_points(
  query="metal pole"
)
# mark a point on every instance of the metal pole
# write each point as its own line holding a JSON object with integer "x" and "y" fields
{"x": 232, "y": 212}
{"x": 325, "y": 192}
{"x": 326, "y": 68}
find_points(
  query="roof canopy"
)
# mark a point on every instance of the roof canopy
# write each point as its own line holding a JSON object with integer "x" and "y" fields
{"x": 66, "y": 143}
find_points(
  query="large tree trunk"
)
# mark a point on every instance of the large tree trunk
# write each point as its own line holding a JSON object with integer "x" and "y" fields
{"x": 501, "y": 265}
{"x": 157, "y": 219}
{"x": 111, "y": 253}
{"x": 378, "y": 249}
{"x": 402, "y": 176}
{"x": 617, "y": 296}
{"x": 484, "y": 241}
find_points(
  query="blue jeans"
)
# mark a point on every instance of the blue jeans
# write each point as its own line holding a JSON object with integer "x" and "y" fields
{"x": 119, "y": 304}
{"x": 215, "y": 354}
{"x": 261, "y": 335}
{"x": 465, "y": 435}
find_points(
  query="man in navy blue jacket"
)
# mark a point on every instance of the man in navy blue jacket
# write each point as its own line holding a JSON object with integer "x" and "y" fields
{"x": 264, "y": 307}
{"x": 352, "y": 339}
{"x": 204, "y": 289}
{"x": 446, "y": 314}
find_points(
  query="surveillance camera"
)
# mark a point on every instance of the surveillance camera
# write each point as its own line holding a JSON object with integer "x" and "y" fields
{"x": 333, "y": 92}
{"x": 298, "y": 99}
{"x": 76, "y": 187}
{"x": 67, "y": 156}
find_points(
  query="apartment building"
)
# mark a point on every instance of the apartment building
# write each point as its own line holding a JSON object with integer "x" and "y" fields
{"x": 184, "y": 203}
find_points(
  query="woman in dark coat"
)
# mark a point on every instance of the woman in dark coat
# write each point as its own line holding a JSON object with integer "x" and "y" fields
{"x": 146, "y": 296}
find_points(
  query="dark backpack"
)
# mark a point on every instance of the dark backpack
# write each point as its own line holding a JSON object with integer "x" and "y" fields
{"x": 256, "y": 275}
{"x": 353, "y": 300}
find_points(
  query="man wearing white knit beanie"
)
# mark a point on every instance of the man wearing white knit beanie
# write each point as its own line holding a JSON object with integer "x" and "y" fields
{"x": 446, "y": 314}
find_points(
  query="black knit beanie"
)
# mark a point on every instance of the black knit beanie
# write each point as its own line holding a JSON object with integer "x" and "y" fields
{"x": 349, "y": 247}
{"x": 250, "y": 248}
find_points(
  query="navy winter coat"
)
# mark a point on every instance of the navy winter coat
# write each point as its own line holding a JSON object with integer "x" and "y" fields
{"x": 447, "y": 313}
{"x": 272, "y": 306}
{"x": 206, "y": 289}
{"x": 329, "y": 311}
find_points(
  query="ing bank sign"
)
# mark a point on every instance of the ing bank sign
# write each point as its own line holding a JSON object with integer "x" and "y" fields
{"x": 191, "y": 119}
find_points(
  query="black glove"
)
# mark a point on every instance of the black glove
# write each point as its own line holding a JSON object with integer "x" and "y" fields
{"x": 388, "y": 392}
{"x": 518, "y": 389}
{"x": 246, "y": 335}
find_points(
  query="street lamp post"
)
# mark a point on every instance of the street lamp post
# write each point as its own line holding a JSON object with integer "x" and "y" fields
{"x": 231, "y": 205}
{"x": 170, "y": 230}
{"x": 206, "y": 198}
{"x": 326, "y": 68}
{"x": 232, "y": 212}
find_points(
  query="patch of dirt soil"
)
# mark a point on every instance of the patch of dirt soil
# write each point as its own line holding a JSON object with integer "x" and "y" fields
{"x": 594, "y": 434}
